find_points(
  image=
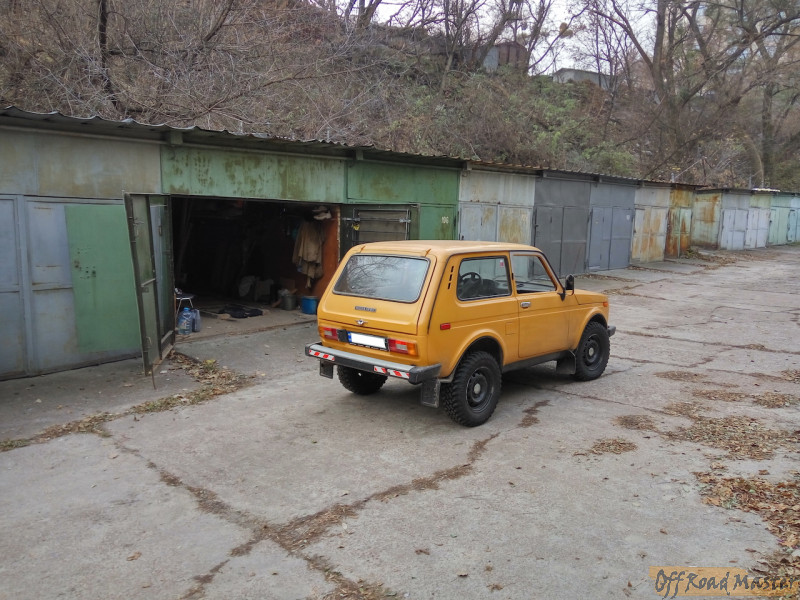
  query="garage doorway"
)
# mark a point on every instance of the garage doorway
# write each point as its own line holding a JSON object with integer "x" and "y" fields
{"x": 234, "y": 261}
{"x": 232, "y": 250}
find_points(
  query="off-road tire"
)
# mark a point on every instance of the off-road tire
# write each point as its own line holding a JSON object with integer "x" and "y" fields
{"x": 594, "y": 348}
{"x": 360, "y": 382}
{"x": 470, "y": 399}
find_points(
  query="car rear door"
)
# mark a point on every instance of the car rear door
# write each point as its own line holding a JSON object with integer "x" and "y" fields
{"x": 475, "y": 300}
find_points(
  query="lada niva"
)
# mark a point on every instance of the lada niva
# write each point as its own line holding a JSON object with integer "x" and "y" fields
{"x": 451, "y": 317}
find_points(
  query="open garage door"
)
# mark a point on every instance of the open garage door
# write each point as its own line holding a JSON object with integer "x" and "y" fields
{"x": 150, "y": 233}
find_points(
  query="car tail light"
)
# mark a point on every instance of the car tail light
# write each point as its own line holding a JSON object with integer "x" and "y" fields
{"x": 329, "y": 333}
{"x": 403, "y": 347}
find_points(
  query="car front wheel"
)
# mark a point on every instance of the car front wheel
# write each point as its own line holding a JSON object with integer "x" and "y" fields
{"x": 593, "y": 351}
{"x": 472, "y": 396}
{"x": 360, "y": 382}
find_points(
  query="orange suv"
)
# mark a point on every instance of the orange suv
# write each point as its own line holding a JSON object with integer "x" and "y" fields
{"x": 452, "y": 316}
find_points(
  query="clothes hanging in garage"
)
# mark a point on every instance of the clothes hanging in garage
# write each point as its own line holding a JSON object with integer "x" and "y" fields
{"x": 308, "y": 250}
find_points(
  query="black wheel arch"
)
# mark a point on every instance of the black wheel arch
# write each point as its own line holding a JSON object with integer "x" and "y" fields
{"x": 484, "y": 344}
{"x": 598, "y": 318}
{"x": 595, "y": 318}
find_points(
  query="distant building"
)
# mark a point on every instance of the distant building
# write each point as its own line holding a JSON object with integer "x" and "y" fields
{"x": 506, "y": 53}
{"x": 578, "y": 75}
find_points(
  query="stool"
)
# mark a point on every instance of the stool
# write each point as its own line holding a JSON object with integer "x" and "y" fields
{"x": 180, "y": 298}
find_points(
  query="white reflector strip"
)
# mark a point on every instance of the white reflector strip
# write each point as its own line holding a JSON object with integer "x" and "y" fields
{"x": 317, "y": 354}
{"x": 392, "y": 372}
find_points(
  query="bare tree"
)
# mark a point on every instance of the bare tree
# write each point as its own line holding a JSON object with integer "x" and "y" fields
{"x": 701, "y": 59}
{"x": 687, "y": 76}
{"x": 768, "y": 34}
{"x": 219, "y": 64}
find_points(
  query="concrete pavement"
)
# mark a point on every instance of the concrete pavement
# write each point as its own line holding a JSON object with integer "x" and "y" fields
{"x": 290, "y": 487}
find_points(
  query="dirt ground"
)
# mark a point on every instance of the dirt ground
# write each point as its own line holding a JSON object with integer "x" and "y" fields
{"x": 244, "y": 474}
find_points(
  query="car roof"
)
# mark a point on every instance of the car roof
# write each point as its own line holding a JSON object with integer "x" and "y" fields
{"x": 438, "y": 247}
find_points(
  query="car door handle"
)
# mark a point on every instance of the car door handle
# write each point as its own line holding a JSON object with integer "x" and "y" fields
{"x": 525, "y": 304}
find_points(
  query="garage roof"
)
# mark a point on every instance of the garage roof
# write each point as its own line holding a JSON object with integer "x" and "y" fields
{"x": 13, "y": 116}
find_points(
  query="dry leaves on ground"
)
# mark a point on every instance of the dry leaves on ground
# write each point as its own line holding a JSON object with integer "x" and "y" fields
{"x": 777, "y": 503}
{"x": 765, "y": 399}
{"x": 742, "y": 437}
{"x": 775, "y": 400}
{"x": 640, "y": 422}
{"x": 682, "y": 376}
{"x": 214, "y": 379}
{"x": 615, "y": 446}
{"x": 791, "y": 375}
{"x": 721, "y": 395}
{"x": 685, "y": 409}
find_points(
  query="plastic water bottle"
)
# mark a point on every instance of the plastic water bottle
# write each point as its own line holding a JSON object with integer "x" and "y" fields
{"x": 196, "y": 325}
{"x": 185, "y": 322}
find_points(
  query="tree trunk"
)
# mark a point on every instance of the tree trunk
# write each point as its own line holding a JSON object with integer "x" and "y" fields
{"x": 767, "y": 134}
{"x": 102, "y": 41}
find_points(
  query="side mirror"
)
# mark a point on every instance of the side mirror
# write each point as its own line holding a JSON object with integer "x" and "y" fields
{"x": 569, "y": 284}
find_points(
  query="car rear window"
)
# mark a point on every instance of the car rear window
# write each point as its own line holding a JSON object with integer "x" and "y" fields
{"x": 395, "y": 278}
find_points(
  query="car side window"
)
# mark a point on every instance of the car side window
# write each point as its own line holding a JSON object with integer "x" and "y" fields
{"x": 530, "y": 274}
{"x": 485, "y": 277}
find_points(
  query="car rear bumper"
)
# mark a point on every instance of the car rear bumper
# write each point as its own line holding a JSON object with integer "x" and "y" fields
{"x": 371, "y": 365}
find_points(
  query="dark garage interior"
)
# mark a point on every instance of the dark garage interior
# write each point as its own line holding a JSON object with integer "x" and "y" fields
{"x": 234, "y": 250}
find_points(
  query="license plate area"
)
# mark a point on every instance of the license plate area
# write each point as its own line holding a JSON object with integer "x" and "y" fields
{"x": 370, "y": 341}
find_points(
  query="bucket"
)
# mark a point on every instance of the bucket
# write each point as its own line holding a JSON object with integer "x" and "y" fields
{"x": 289, "y": 302}
{"x": 308, "y": 304}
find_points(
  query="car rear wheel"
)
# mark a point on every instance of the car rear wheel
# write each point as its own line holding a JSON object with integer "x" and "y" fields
{"x": 360, "y": 382}
{"x": 593, "y": 351}
{"x": 472, "y": 396}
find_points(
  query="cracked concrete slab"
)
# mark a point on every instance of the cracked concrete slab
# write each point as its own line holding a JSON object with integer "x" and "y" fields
{"x": 663, "y": 350}
{"x": 541, "y": 516}
{"x": 754, "y": 362}
{"x": 283, "y": 443}
{"x": 29, "y": 405}
{"x": 272, "y": 353}
{"x": 82, "y": 518}
{"x": 294, "y": 488}
{"x": 267, "y": 572}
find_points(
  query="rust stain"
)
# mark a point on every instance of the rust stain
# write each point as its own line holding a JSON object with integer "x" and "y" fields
{"x": 680, "y": 198}
{"x": 648, "y": 240}
{"x": 685, "y": 235}
{"x": 706, "y": 209}
{"x": 672, "y": 249}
